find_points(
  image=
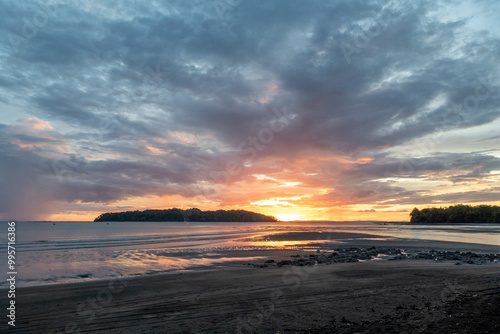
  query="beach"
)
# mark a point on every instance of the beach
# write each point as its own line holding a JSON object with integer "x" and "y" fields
{"x": 233, "y": 166}
{"x": 260, "y": 278}
{"x": 77, "y": 252}
{"x": 409, "y": 296}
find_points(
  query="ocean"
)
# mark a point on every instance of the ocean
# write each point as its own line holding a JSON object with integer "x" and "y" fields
{"x": 66, "y": 252}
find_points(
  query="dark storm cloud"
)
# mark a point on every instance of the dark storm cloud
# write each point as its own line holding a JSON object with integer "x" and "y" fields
{"x": 33, "y": 184}
{"x": 479, "y": 196}
{"x": 475, "y": 164}
{"x": 375, "y": 182}
{"x": 357, "y": 76}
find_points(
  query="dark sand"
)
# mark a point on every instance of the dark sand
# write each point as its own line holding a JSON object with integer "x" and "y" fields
{"x": 407, "y": 296}
{"x": 410, "y": 296}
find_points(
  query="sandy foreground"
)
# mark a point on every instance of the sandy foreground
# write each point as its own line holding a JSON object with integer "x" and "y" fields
{"x": 411, "y": 296}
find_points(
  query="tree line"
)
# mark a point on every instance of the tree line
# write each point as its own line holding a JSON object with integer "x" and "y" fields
{"x": 190, "y": 215}
{"x": 457, "y": 214}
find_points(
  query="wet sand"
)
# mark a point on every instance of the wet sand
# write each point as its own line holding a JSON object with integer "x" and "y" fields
{"x": 409, "y": 296}
{"x": 331, "y": 240}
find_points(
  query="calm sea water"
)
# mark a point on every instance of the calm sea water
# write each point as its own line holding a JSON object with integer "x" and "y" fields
{"x": 63, "y": 252}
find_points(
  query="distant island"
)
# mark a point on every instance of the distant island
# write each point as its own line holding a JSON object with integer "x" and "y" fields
{"x": 189, "y": 215}
{"x": 457, "y": 214}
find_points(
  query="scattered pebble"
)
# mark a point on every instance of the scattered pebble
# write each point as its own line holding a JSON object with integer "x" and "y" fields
{"x": 354, "y": 254}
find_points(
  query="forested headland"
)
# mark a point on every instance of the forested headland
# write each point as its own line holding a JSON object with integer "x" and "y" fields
{"x": 457, "y": 214}
{"x": 190, "y": 215}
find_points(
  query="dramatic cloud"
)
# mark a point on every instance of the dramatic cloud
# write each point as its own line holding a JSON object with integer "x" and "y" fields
{"x": 315, "y": 110}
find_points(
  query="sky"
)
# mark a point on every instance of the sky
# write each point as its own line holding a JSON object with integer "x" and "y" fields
{"x": 307, "y": 110}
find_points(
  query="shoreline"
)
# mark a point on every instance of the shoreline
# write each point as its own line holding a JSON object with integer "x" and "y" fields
{"x": 314, "y": 292}
{"x": 234, "y": 259}
{"x": 362, "y": 253}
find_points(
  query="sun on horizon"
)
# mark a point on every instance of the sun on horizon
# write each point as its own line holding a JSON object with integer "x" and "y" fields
{"x": 305, "y": 122}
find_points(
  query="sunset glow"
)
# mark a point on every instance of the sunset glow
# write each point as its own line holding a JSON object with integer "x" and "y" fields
{"x": 274, "y": 111}
{"x": 286, "y": 217}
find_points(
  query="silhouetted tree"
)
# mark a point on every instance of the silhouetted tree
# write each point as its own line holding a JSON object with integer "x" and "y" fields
{"x": 457, "y": 214}
{"x": 193, "y": 215}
